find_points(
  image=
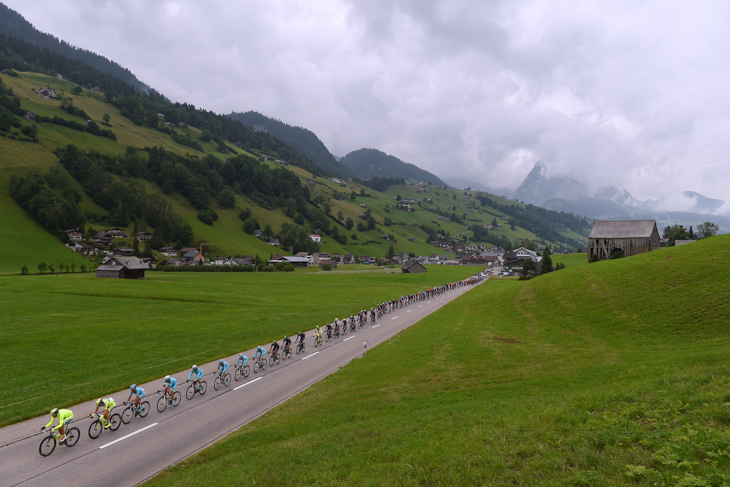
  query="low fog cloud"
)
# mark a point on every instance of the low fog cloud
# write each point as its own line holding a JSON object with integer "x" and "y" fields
{"x": 602, "y": 91}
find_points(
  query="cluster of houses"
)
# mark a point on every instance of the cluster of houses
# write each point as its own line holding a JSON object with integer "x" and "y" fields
{"x": 107, "y": 243}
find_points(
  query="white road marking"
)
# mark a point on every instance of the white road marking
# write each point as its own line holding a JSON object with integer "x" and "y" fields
{"x": 125, "y": 437}
{"x": 312, "y": 355}
{"x": 394, "y": 317}
{"x": 353, "y": 336}
{"x": 378, "y": 325}
{"x": 420, "y": 305}
{"x": 409, "y": 311}
{"x": 247, "y": 383}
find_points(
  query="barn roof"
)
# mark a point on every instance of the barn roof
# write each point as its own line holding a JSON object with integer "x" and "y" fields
{"x": 623, "y": 229}
{"x": 131, "y": 263}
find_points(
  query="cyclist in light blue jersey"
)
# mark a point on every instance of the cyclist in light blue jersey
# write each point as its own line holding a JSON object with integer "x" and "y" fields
{"x": 198, "y": 372}
{"x": 260, "y": 352}
{"x": 222, "y": 366}
{"x": 138, "y": 392}
{"x": 169, "y": 386}
{"x": 242, "y": 359}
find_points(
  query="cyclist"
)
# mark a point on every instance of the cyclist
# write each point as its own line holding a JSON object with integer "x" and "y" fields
{"x": 287, "y": 344}
{"x": 198, "y": 372}
{"x": 241, "y": 362}
{"x": 139, "y": 392}
{"x": 329, "y": 330}
{"x": 274, "y": 349}
{"x": 169, "y": 385}
{"x": 300, "y": 337}
{"x": 64, "y": 417}
{"x": 107, "y": 405}
{"x": 318, "y": 334}
{"x": 223, "y": 366}
{"x": 260, "y": 352}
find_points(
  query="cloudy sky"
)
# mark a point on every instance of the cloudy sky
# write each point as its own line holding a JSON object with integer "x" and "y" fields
{"x": 634, "y": 93}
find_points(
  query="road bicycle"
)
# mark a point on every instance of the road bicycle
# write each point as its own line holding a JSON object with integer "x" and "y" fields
{"x": 48, "y": 444}
{"x": 286, "y": 352}
{"x": 171, "y": 398}
{"x": 336, "y": 330}
{"x": 328, "y": 336}
{"x": 301, "y": 346}
{"x": 259, "y": 364}
{"x": 274, "y": 359}
{"x": 242, "y": 371}
{"x": 317, "y": 340}
{"x": 353, "y": 327}
{"x": 196, "y": 388}
{"x": 97, "y": 426}
{"x": 344, "y": 327}
{"x": 132, "y": 411}
{"x": 222, "y": 380}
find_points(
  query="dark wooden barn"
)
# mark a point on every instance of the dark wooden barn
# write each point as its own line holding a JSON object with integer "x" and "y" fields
{"x": 122, "y": 268}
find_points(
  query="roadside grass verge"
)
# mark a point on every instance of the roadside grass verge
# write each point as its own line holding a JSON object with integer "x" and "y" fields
{"x": 71, "y": 337}
{"x": 606, "y": 374}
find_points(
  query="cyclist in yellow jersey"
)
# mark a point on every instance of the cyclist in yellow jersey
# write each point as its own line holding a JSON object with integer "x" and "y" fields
{"x": 64, "y": 417}
{"x": 107, "y": 404}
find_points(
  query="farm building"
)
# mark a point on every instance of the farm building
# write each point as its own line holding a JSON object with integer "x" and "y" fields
{"x": 614, "y": 239}
{"x": 122, "y": 268}
{"x": 412, "y": 267}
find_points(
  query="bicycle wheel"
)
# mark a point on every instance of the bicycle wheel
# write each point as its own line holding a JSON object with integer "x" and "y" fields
{"x": 189, "y": 393}
{"x": 176, "y": 398}
{"x": 246, "y": 370}
{"x": 161, "y": 404}
{"x": 95, "y": 429}
{"x": 217, "y": 383}
{"x": 299, "y": 348}
{"x": 127, "y": 415}
{"x": 256, "y": 367}
{"x": 283, "y": 355}
{"x": 271, "y": 361}
{"x": 72, "y": 436}
{"x": 144, "y": 408}
{"x": 237, "y": 375}
{"x": 203, "y": 387}
{"x": 47, "y": 445}
{"x": 115, "y": 421}
{"x": 227, "y": 379}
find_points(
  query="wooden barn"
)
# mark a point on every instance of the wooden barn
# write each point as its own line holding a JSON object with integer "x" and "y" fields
{"x": 122, "y": 268}
{"x": 412, "y": 267}
{"x": 614, "y": 239}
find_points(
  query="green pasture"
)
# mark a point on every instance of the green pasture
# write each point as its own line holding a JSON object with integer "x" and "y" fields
{"x": 605, "y": 374}
{"x": 71, "y": 337}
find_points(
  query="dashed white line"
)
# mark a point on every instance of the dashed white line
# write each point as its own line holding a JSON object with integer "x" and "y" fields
{"x": 353, "y": 336}
{"x": 247, "y": 383}
{"x": 420, "y": 305}
{"x": 409, "y": 311}
{"x": 125, "y": 437}
{"x": 312, "y": 355}
{"x": 394, "y": 317}
{"x": 376, "y": 326}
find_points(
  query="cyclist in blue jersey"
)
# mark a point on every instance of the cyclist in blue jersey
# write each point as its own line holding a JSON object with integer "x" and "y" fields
{"x": 169, "y": 385}
{"x": 222, "y": 366}
{"x": 260, "y": 352}
{"x": 139, "y": 393}
{"x": 198, "y": 372}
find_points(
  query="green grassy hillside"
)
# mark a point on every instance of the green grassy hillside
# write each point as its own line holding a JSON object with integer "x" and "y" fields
{"x": 609, "y": 374}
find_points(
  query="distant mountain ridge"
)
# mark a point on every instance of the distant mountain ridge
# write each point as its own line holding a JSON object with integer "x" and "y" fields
{"x": 13, "y": 24}
{"x": 370, "y": 163}
{"x": 302, "y": 140}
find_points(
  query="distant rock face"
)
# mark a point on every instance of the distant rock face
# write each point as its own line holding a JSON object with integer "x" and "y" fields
{"x": 538, "y": 187}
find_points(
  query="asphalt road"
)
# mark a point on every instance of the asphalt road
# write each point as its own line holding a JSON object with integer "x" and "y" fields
{"x": 145, "y": 446}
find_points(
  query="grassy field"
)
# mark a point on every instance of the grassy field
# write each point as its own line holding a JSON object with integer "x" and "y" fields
{"x": 71, "y": 337}
{"x": 614, "y": 373}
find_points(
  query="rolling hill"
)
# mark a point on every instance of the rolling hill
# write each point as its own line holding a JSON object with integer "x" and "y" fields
{"x": 370, "y": 163}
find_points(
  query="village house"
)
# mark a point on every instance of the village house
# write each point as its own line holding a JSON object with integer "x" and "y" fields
{"x": 615, "y": 239}
{"x": 174, "y": 262}
{"x": 329, "y": 262}
{"x": 275, "y": 242}
{"x": 143, "y": 236}
{"x": 168, "y": 251}
{"x": 366, "y": 259}
{"x": 185, "y": 250}
{"x": 74, "y": 234}
{"x": 258, "y": 233}
{"x": 413, "y": 267}
{"x": 91, "y": 250}
{"x": 315, "y": 237}
{"x": 102, "y": 239}
{"x": 124, "y": 252}
{"x": 122, "y": 268}
{"x": 349, "y": 258}
{"x": 58, "y": 76}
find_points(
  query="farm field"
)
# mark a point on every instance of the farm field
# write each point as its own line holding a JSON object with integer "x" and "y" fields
{"x": 613, "y": 373}
{"x": 71, "y": 337}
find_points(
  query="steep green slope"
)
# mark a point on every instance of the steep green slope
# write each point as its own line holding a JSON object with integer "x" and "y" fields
{"x": 605, "y": 374}
{"x": 369, "y": 163}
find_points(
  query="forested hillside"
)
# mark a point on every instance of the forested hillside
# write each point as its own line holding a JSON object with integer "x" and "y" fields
{"x": 369, "y": 163}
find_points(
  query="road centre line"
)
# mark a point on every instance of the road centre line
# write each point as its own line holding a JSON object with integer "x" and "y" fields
{"x": 394, "y": 317}
{"x": 312, "y": 355}
{"x": 409, "y": 311}
{"x": 376, "y": 325}
{"x": 125, "y": 437}
{"x": 420, "y": 305}
{"x": 247, "y": 383}
{"x": 353, "y": 336}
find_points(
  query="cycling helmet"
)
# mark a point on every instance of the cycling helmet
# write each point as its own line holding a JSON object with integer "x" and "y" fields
{"x": 167, "y": 377}
{"x": 240, "y": 355}
{"x": 286, "y": 336}
{"x": 132, "y": 387}
{"x": 100, "y": 402}
{"x": 195, "y": 367}
{"x": 54, "y": 411}
{"x": 220, "y": 362}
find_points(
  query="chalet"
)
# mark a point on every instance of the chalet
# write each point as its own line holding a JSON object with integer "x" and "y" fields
{"x": 338, "y": 258}
{"x": 240, "y": 261}
{"x": 222, "y": 260}
{"x": 413, "y": 267}
{"x": 315, "y": 237}
{"x": 349, "y": 258}
{"x": 193, "y": 257}
{"x": 143, "y": 236}
{"x": 275, "y": 242}
{"x": 74, "y": 234}
{"x": 90, "y": 250}
{"x": 124, "y": 252}
{"x": 615, "y": 239}
{"x": 366, "y": 259}
{"x": 258, "y": 233}
{"x": 296, "y": 261}
{"x": 96, "y": 89}
{"x": 185, "y": 250}
{"x": 114, "y": 232}
{"x": 174, "y": 262}
{"x": 525, "y": 253}
{"x": 122, "y": 268}
{"x": 329, "y": 262}
{"x": 102, "y": 239}
{"x": 306, "y": 255}
{"x": 168, "y": 251}
{"x": 58, "y": 76}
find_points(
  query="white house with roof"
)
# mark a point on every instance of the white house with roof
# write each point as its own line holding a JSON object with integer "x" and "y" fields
{"x": 315, "y": 238}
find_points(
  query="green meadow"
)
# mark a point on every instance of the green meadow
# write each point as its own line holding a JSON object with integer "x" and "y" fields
{"x": 67, "y": 338}
{"x": 608, "y": 374}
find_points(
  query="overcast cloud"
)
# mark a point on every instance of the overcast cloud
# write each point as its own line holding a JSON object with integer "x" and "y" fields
{"x": 620, "y": 91}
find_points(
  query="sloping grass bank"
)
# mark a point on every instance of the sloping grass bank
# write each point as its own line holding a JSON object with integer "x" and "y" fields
{"x": 612, "y": 373}
{"x": 72, "y": 337}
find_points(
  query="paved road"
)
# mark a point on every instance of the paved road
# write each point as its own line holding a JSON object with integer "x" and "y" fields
{"x": 141, "y": 449}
